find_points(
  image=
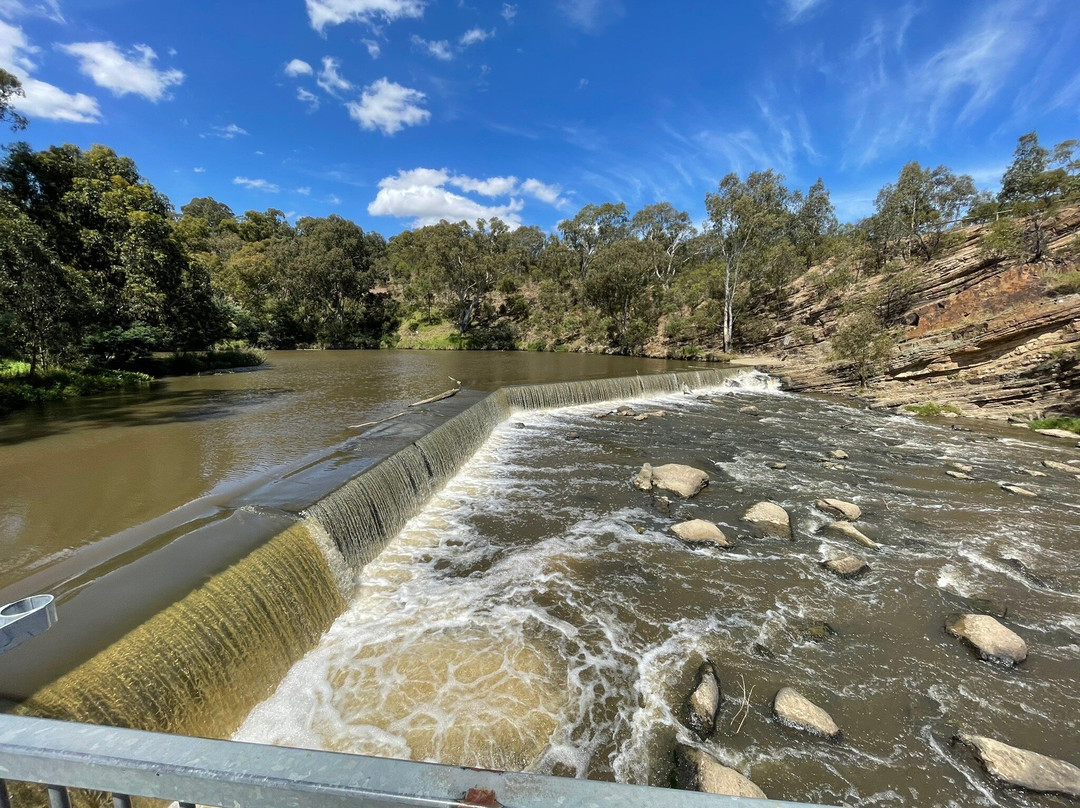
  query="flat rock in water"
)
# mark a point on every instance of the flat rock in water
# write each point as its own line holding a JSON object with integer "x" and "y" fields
{"x": 990, "y": 638}
{"x": 839, "y": 509}
{"x": 1053, "y": 464}
{"x": 959, "y": 475}
{"x": 798, "y": 712}
{"x": 778, "y": 466}
{"x": 701, "y": 532}
{"x": 771, "y": 518}
{"x": 1023, "y": 768}
{"x": 838, "y": 454}
{"x": 1034, "y": 473}
{"x": 644, "y": 479}
{"x": 697, "y": 770}
{"x": 1016, "y": 489}
{"x": 641, "y": 417}
{"x": 704, "y": 701}
{"x": 847, "y": 567}
{"x": 964, "y": 467}
{"x": 685, "y": 481}
{"x": 1058, "y": 433}
{"x": 850, "y": 531}
{"x": 751, "y": 410}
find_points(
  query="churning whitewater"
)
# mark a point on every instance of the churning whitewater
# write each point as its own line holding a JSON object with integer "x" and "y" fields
{"x": 538, "y": 613}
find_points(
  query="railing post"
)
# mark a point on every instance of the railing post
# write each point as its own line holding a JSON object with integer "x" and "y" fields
{"x": 58, "y": 797}
{"x": 121, "y": 801}
{"x": 5, "y": 800}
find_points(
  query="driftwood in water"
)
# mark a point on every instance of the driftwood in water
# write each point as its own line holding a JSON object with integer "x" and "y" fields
{"x": 380, "y": 421}
{"x": 440, "y": 397}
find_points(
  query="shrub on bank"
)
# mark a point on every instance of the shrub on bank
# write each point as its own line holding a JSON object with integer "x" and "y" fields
{"x": 189, "y": 364}
{"x": 1071, "y": 424}
{"x": 19, "y": 388}
{"x": 931, "y": 409}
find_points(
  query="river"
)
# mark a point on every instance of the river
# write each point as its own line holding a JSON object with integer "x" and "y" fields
{"x": 538, "y": 614}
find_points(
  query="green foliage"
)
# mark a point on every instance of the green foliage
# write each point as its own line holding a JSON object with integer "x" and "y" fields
{"x": 21, "y": 388}
{"x": 1064, "y": 283}
{"x": 865, "y": 344}
{"x": 931, "y": 409}
{"x": 10, "y": 87}
{"x": 1070, "y": 424}
{"x": 188, "y": 364}
{"x": 1003, "y": 240}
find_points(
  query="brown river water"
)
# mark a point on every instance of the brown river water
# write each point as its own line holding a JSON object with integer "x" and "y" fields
{"x": 537, "y": 614}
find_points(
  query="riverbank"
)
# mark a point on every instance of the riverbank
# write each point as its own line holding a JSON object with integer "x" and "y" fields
{"x": 19, "y": 388}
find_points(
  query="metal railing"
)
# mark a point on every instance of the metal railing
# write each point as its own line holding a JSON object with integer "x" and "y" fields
{"x": 196, "y": 771}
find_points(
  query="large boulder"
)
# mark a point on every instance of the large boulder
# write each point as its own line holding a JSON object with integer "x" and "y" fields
{"x": 847, "y": 567}
{"x": 697, "y": 770}
{"x": 701, "y": 532}
{"x": 770, "y": 518}
{"x": 796, "y": 711}
{"x": 685, "y": 481}
{"x": 839, "y": 509}
{"x": 704, "y": 701}
{"x": 991, "y": 639}
{"x": 850, "y": 531}
{"x": 1023, "y": 768}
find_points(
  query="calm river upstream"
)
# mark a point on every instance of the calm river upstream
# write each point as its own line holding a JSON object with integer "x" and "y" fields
{"x": 538, "y": 614}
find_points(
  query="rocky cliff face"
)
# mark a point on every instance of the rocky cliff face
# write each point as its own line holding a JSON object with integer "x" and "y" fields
{"x": 990, "y": 337}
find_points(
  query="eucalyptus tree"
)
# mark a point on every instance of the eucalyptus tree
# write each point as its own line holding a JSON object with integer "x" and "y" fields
{"x": 919, "y": 208}
{"x": 813, "y": 224}
{"x": 672, "y": 231}
{"x": 593, "y": 228}
{"x": 618, "y": 285}
{"x": 745, "y": 217}
{"x": 10, "y": 88}
{"x": 1035, "y": 184}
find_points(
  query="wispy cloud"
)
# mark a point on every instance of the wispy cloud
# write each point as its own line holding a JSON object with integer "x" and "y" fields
{"x": 509, "y": 11}
{"x": 228, "y": 132}
{"x": 796, "y": 9}
{"x": 124, "y": 72}
{"x": 256, "y": 184}
{"x": 591, "y": 16}
{"x": 330, "y": 79}
{"x": 308, "y": 98}
{"x": 49, "y": 9}
{"x": 440, "y": 48}
{"x": 373, "y": 49}
{"x": 298, "y": 67}
{"x": 474, "y": 36}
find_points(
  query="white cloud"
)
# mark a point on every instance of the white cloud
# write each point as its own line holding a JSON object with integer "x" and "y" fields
{"x": 420, "y": 195}
{"x": 308, "y": 98}
{"x": 493, "y": 186}
{"x": 44, "y": 100}
{"x": 199, "y": 170}
{"x": 440, "y": 48}
{"x": 509, "y": 12}
{"x": 329, "y": 78}
{"x": 333, "y": 200}
{"x": 304, "y": 191}
{"x": 122, "y": 73}
{"x": 41, "y": 100}
{"x": 373, "y": 49}
{"x": 543, "y": 192}
{"x": 591, "y": 16}
{"x": 474, "y": 36}
{"x": 256, "y": 185}
{"x": 388, "y": 107}
{"x": 227, "y": 132}
{"x": 298, "y": 67}
{"x": 322, "y": 13}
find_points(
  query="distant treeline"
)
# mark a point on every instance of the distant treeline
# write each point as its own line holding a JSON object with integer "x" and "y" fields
{"x": 97, "y": 269}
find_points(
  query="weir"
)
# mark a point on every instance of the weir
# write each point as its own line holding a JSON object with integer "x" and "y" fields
{"x": 198, "y": 667}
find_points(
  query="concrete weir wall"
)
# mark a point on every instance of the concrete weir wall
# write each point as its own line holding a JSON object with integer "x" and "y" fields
{"x": 198, "y": 666}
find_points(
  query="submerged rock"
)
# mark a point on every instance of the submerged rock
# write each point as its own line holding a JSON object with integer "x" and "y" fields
{"x": 572, "y": 435}
{"x": 699, "y": 532}
{"x": 697, "y": 770}
{"x": 1016, "y": 489}
{"x": 770, "y": 518}
{"x": 991, "y": 639}
{"x": 778, "y": 466}
{"x": 959, "y": 475}
{"x": 685, "y": 481}
{"x": 641, "y": 417}
{"x": 1034, "y": 473}
{"x": 964, "y": 467}
{"x": 1023, "y": 768}
{"x": 838, "y": 454}
{"x": 796, "y": 711}
{"x": 644, "y": 479}
{"x": 850, "y": 531}
{"x": 750, "y": 410}
{"x": 847, "y": 566}
{"x": 1054, "y": 464}
{"x": 704, "y": 701}
{"x": 839, "y": 508}
{"x": 625, "y": 412}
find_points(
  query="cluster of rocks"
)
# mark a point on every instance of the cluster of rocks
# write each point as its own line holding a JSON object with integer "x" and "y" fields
{"x": 699, "y": 770}
{"x": 965, "y": 471}
{"x": 629, "y": 412}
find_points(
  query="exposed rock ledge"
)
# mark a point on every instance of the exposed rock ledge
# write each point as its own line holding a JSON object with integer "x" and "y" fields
{"x": 1023, "y": 768}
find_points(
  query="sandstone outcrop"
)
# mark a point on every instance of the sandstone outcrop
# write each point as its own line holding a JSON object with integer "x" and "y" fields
{"x": 839, "y": 509}
{"x": 685, "y": 481}
{"x": 796, "y": 711}
{"x": 992, "y": 640}
{"x": 850, "y": 531}
{"x": 1023, "y": 768}
{"x": 847, "y": 566}
{"x": 770, "y": 518}
{"x": 704, "y": 701}
{"x": 697, "y": 770}
{"x": 700, "y": 532}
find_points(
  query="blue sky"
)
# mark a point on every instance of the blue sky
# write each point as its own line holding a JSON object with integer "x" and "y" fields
{"x": 398, "y": 112}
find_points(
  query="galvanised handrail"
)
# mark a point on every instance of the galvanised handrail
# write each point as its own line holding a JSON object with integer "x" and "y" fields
{"x": 229, "y": 774}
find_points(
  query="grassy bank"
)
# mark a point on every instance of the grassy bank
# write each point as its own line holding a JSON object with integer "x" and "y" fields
{"x": 20, "y": 388}
{"x": 1070, "y": 424}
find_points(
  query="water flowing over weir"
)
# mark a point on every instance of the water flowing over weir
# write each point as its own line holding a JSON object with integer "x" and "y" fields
{"x": 199, "y": 666}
